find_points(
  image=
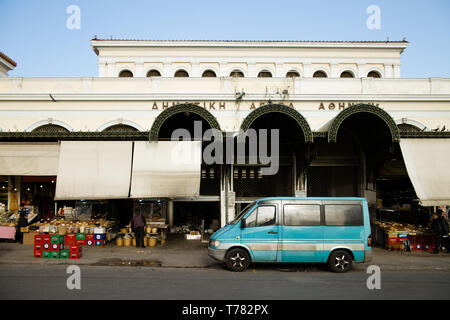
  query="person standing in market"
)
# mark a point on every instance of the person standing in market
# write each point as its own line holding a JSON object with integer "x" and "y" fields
{"x": 138, "y": 225}
{"x": 440, "y": 228}
{"x": 22, "y": 222}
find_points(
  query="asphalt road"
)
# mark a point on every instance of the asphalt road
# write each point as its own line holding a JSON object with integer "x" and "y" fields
{"x": 50, "y": 282}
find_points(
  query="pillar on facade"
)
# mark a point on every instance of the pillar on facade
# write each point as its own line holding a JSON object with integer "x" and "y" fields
{"x": 170, "y": 214}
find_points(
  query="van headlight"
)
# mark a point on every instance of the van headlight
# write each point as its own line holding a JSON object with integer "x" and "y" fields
{"x": 214, "y": 243}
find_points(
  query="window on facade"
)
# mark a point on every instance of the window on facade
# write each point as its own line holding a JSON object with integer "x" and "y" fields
{"x": 120, "y": 128}
{"x": 236, "y": 74}
{"x": 153, "y": 73}
{"x": 408, "y": 127}
{"x": 125, "y": 74}
{"x": 343, "y": 215}
{"x": 209, "y": 74}
{"x": 319, "y": 74}
{"x": 265, "y": 74}
{"x": 262, "y": 216}
{"x": 301, "y": 215}
{"x": 181, "y": 74}
{"x": 373, "y": 74}
{"x": 347, "y": 74}
{"x": 292, "y": 74}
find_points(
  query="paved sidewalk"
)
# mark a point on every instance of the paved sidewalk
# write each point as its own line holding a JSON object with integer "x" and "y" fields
{"x": 192, "y": 254}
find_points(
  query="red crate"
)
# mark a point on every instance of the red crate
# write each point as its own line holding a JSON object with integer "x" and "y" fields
{"x": 90, "y": 243}
{"x": 74, "y": 255}
{"x": 46, "y": 238}
{"x": 70, "y": 236}
{"x": 37, "y": 254}
{"x": 74, "y": 248}
{"x": 90, "y": 236}
{"x": 81, "y": 242}
{"x": 38, "y": 247}
{"x": 46, "y": 246}
{"x": 38, "y": 239}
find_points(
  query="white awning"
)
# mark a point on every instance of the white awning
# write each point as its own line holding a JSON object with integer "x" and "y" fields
{"x": 94, "y": 170}
{"x": 428, "y": 164}
{"x": 29, "y": 159}
{"x": 166, "y": 169}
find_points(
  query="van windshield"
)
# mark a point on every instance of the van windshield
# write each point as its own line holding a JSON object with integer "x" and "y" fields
{"x": 243, "y": 212}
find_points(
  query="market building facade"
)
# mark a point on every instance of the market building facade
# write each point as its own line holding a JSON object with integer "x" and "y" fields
{"x": 347, "y": 125}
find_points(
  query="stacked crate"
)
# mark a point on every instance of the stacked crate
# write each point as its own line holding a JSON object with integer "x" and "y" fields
{"x": 99, "y": 239}
{"x": 53, "y": 247}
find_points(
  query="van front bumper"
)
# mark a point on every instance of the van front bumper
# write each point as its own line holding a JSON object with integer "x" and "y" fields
{"x": 217, "y": 254}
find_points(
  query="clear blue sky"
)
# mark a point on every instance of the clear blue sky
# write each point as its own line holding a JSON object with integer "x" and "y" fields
{"x": 34, "y": 32}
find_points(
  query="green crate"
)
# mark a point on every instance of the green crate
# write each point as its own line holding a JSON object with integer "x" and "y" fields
{"x": 81, "y": 236}
{"x": 55, "y": 255}
{"x": 46, "y": 254}
{"x": 64, "y": 254}
{"x": 57, "y": 238}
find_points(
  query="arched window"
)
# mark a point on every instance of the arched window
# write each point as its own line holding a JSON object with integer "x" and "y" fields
{"x": 292, "y": 74}
{"x": 347, "y": 74}
{"x": 319, "y": 74}
{"x": 181, "y": 74}
{"x": 153, "y": 73}
{"x": 50, "y": 128}
{"x": 125, "y": 74}
{"x": 120, "y": 128}
{"x": 236, "y": 74}
{"x": 374, "y": 74}
{"x": 408, "y": 127}
{"x": 209, "y": 74}
{"x": 265, "y": 74}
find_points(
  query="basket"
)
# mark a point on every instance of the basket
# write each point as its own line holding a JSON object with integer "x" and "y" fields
{"x": 152, "y": 242}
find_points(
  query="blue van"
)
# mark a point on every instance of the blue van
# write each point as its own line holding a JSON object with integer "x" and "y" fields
{"x": 335, "y": 231}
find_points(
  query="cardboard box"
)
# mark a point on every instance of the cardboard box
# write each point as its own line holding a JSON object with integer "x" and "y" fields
{"x": 28, "y": 238}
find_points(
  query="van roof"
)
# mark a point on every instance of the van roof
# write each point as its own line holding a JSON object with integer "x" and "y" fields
{"x": 312, "y": 198}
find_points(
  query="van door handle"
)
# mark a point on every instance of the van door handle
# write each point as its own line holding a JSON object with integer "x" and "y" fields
{"x": 272, "y": 232}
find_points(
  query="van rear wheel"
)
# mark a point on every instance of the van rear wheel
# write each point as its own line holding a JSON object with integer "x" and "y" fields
{"x": 340, "y": 261}
{"x": 237, "y": 260}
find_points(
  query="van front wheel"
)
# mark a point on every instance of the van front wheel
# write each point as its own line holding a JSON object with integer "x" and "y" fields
{"x": 237, "y": 260}
{"x": 340, "y": 261}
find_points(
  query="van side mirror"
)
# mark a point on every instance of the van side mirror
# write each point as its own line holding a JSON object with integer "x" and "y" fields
{"x": 243, "y": 223}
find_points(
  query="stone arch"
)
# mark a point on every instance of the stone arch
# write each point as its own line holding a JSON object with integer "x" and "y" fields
{"x": 367, "y": 108}
{"x": 49, "y": 122}
{"x": 412, "y": 123}
{"x": 120, "y": 122}
{"x": 280, "y": 108}
{"x": 185, "y": 107}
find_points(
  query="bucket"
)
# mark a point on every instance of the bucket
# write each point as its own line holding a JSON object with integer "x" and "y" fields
{"x": 119, "y": 242}
{"x": 145, "y": 241}
{"x": 134, "y": 242}
{"x": 127, "y": 242}
{"x": 152, "y": 242}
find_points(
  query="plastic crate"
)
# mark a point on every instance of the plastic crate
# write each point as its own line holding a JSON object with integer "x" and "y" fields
{"x": 100, "y": 236}
{"x": 81, "y": 236}
{"x": 38, "y": 254}
{"x": 46, "y": 254}
{"x": 89, "y": 243}
{"x": 99, "y": 243}
{"x": 64, "y": 254}
{"x": 75, "y": 255}
{"x": 57, "y": 238}
{"x": 38, "y": 239}
{"x": 90, "y": 236}
{"x": 55, "y": 254}
{"x": 46, "y": 246}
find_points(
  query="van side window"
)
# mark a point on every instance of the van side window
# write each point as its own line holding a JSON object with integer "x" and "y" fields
{"x": 301, "y": 215}
{"x": 262, "y": 216}
{"x": 343, "y": 215}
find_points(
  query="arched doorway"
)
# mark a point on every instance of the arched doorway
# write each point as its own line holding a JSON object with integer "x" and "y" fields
{"x": 291, "y": 146}
{"x": 196, "y": 121}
